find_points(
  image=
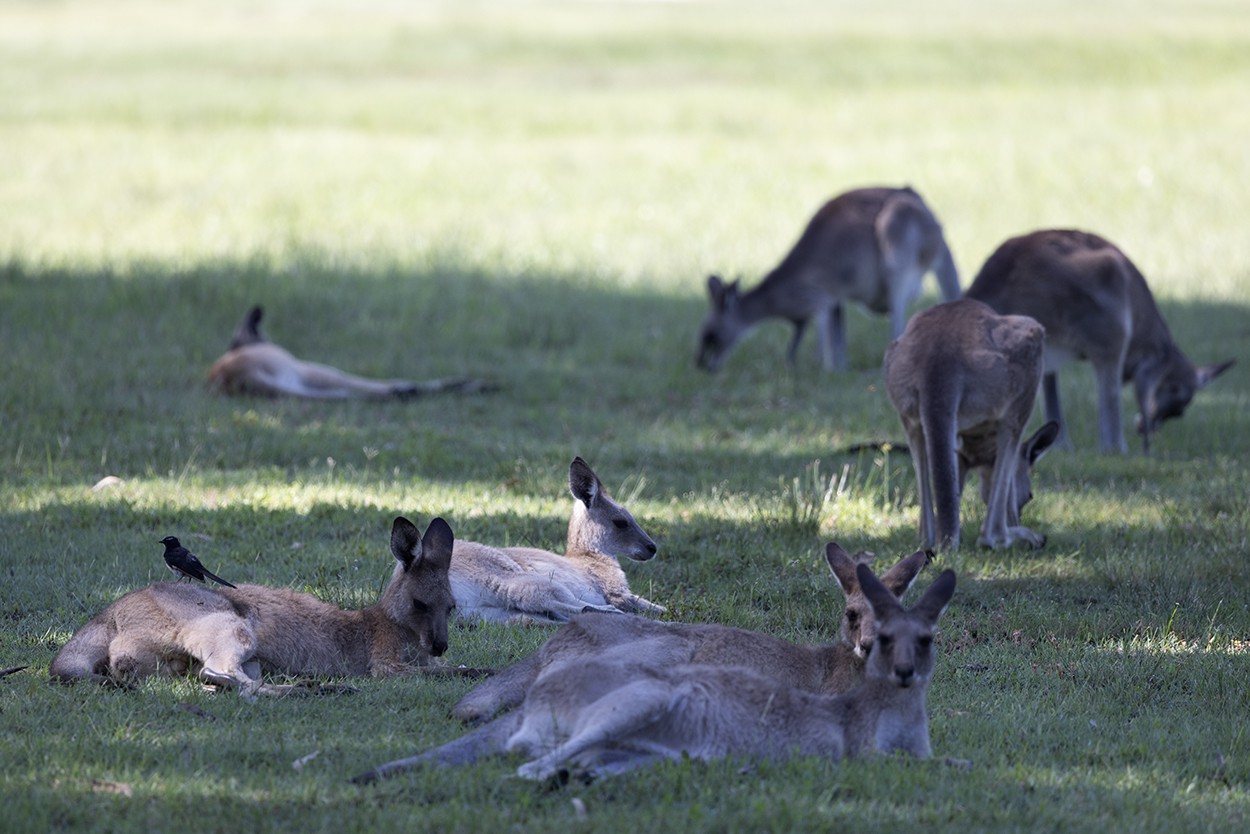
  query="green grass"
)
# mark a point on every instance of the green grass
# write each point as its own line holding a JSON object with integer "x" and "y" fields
{"x": 533, "y": 193}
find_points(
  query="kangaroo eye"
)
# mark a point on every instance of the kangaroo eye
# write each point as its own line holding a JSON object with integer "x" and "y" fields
{"x": 620, "y": 523}
{"x": 419, "y": 606}
{"x": 925, "y": 641}
{"x": 852, "y": 618}
{"x": 884, "y": 640}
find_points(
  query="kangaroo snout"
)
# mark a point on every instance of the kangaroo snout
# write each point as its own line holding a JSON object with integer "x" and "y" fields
{"x": 905, "y": 675}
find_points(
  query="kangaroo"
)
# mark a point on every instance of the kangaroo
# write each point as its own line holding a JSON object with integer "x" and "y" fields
{"x": 528, "y": 585}
{"x": 614, "y": 714}
{"x": 872, "y": 246}
{"x": 963, "y": 380}
{"x": 229, "y": 636}
{"x": 829, "y": 669}
{"x": 1095, "y": 305}
{"x": 254, "y": 365}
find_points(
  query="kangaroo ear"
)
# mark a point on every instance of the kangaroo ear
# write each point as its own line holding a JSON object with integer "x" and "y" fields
{"x": 937, "y": 597}
{"x": 436, "y": 544}
{"x": 1041, "y": 441}
{"x": 715, "y": 287}
{"x": 900, "y": 577}
{"x": 843, "y": 567}
{"x": 583, "y": 482}
{"x": 405, "y": 541}
{"x": 1206, "y": 373}
{"x": 879, "y": 597}
{"x": 248, "y": 331}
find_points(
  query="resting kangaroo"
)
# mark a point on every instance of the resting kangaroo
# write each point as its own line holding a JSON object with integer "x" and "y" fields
{"x": 254, "y": 365}
{"x": 525, "y": 584}
{"x": 871, "y": 246}
{"x": 229, "y": 636}
{"x": 614, "y": 714}
{"x": 963, "y": 380}
{"x": 829, "y": 669}
{"x": 1095, "y": 305}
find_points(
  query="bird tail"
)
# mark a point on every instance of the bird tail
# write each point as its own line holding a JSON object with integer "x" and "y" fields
{"x": 218, "y": 579}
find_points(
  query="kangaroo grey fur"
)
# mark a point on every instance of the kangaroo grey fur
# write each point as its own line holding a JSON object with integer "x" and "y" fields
{"x": 963, "y": 380}
{"x": 254, "y": 365}
{"x": 527, "y": 585}
{"x": 830, "y": 669}
{"x": 1095, "y": 305}
{"x": 871, "y": 246}
{"x": 230, "y": 636}
{"x": 619, "y": 712}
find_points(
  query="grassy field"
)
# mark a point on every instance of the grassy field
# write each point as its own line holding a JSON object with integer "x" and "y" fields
{"x": 534, "y": 193}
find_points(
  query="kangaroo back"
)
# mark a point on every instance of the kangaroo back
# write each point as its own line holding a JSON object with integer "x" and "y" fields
{"x": 963, "y": 380}
{"x": 1096, "y": 306}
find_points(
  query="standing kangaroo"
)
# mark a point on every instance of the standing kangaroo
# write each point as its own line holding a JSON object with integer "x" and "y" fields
{"x": 614, "y": 714}
{"x": 828, "y": 669}
{"x": 871, "y": 246}
{"x": 525, "y": 584}
{"x": 963, "y": 380}
{"x": 1095, "y": 305}
{"x": 230, "y": 636}
{"x": 254, "y": 365}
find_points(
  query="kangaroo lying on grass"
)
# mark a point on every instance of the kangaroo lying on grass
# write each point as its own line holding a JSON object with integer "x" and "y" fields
{"x": 1095, "y": 305}
{"x": 828, "y": 669}
{"x": 229, "y": 636}
{"x": 963, "y": 380}
{"x": 872, "y": 246}
{"x": 525, "y": 584}
{"x": 254, "y": 365}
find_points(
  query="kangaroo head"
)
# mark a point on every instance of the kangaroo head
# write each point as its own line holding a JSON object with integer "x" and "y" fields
{"x": 859, "y": 624}
{"x": 903, "y": 651}
{"x": 418, "y": 598}
{"x": 1165, "y": 391}
{"x": 980, "y": 456}
{"x": 722, "y": 327}
{"x": 599, "y": 524}
{"x": 248, "y": 331}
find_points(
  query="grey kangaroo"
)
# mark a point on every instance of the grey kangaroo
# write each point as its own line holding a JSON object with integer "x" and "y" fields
{"x": 254, "y": 365}
{"x": 829, "y": 669}
{"x": 1095, "y": 305}
{"x": 871, "y": 246}
{"x": 619, "y": 712}
{"x": 230, "y": 636}
{"x": 528, "y": 585}
{"x": 963, "y": 380}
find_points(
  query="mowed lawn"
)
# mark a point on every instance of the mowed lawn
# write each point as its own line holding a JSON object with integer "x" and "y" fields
{"x": 534, "y": 194}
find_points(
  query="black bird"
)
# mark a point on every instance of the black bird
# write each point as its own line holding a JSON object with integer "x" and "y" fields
{"x": 184, "y": 563}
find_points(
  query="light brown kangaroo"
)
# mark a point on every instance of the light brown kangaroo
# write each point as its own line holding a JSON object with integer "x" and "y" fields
{"x": 1095, "y": 305}
{"x": 616, "y": 713}
{"x": 526, "y": 584}
{"x": 230, "y": 636}
{"x": 829, "y": 669}
{"x": 871, "y": 246}
{"x": 963, "y": 380}
{"x": 254, "y": 365}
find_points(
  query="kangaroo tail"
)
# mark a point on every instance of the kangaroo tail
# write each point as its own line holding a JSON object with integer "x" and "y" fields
{"x": 450, "y": 385}
{"x": 487, "y": 740}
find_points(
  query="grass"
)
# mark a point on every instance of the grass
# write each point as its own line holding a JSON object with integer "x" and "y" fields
{"x": 533, "y": 193}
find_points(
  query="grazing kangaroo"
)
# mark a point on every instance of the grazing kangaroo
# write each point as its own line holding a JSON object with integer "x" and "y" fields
{"x": 254, "y": 365}
{"x": 229, "y": 636}
{"x": 872, "y": 246}
{"x": 828, "y": 669}
{"x": 1095, "y": 305}
{"x": 614, "y": 714}
{"x": 963, "y": 380}
{"x": 528, "y": 585}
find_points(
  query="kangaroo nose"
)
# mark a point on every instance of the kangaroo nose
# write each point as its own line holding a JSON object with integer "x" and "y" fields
{"x": 439, "y": 647}
{"x": 651, "y": 548}
{"x": 904, "y": 674}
